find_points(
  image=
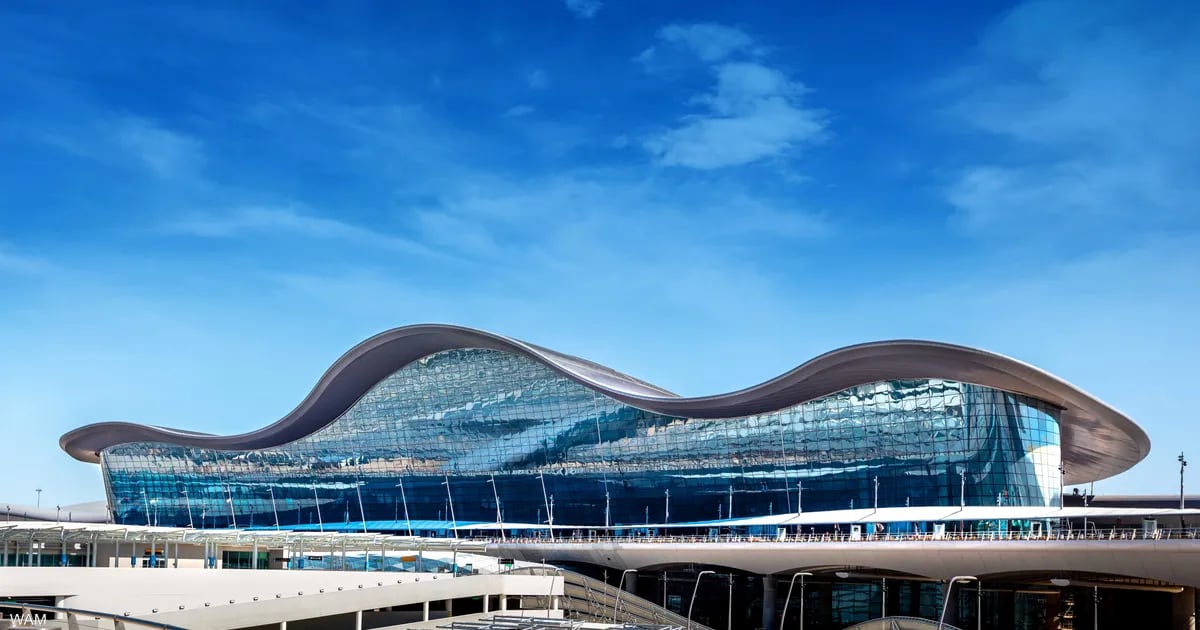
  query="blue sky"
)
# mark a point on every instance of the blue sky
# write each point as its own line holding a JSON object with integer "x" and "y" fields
{"x": 203, "y": 206}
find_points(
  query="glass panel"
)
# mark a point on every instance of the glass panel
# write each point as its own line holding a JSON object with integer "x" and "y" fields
{"x": 424, "y": 445}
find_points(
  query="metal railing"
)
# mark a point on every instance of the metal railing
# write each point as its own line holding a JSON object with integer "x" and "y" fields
{"x": 588, "y": 597}
{"x": 1096, "y": 534}
{"x": 74, "y": 615}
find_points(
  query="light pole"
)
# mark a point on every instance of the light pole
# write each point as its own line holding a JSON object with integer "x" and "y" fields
{"x": 788, "y": 599}
{"x": 496, "y": 496}
{"x": 550, "y": 595}
{"x": 979, "y": 605}
{"x": 694, "y": 589}
{"x": 949, "y": 589}
{"x": 799, "y": 497}
{"x": 729, "y": 605}
{"x": 620, "y": 584}
{"x": 667, "y": 507}
{"x": 39, "y": 499}
{"x": 877, "y": 493}
{"x": 1182, "y": 465}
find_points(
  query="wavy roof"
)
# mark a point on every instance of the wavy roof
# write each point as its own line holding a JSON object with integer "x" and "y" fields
{"x": 1097, "y": 440}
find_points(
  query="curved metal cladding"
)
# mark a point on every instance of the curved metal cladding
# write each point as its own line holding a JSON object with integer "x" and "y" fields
{"x": 439, "y": 423}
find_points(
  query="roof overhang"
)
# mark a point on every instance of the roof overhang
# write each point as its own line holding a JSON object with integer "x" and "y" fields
{"x": 1097, "y": 440}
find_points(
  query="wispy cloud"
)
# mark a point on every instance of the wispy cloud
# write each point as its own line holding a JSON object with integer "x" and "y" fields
{"x": 755, "y": 112}
{"x": 595, "y": 221}
{"x": 537, "y": 79}
{"x": 17, "y": 263}
{"x": 709, "y": 42}
{"x": 163, "y": 151}
{"x": 129, "y": 141}
{"x": 286, "y": 221}
{"x": 585, "y": 9}
{"x": 1093, "y": 120}
{"x": 516, "y": 111}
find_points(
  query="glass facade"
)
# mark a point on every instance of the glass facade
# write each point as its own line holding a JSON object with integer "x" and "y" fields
{"x": 442, "y": 439}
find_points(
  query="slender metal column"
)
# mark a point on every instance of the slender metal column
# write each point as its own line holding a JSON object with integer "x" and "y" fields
{"x": 450, "y": 498}
{"x": 404, "y": 498}
{"x": 188, "y": 498}
{"x": 549, "y": 512}
{"x": 273, "y": 508}
{"x": 496, "y": 496}
{"x": 317, "y": 504}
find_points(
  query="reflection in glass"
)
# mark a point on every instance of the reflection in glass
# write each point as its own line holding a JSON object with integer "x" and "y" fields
{"x": 462, "y": 416}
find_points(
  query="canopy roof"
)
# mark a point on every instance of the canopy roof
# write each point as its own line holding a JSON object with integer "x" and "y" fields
{"x": 1097, "y": 440}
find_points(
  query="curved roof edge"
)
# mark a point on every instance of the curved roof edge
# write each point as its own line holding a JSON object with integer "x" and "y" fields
{"x": 1097, "y": 440}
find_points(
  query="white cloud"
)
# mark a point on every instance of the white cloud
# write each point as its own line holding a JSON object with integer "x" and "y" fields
{"x": 133, "y": 141}
{"x": 517, "y": 111}
{"x": 1095, "y": 121}
{"x": 537, "y": 79}
{"x": 754, "y": 113}
{"x": 164, "y": 152}
{"x": 709, "y": 42}
{"x": 286, "y": 221}
{"x": 13, "y": 262}
{"x": 586, "y": 9}
{"x": 611, "y": 215}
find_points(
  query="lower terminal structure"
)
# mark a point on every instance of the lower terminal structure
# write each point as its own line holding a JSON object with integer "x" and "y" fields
{"x": 446, "y": 431}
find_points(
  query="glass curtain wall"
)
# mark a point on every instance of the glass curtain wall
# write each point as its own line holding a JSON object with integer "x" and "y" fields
{"x": 442, "y": 440}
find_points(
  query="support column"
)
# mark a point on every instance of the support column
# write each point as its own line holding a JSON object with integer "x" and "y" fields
{"x": 425, "y": 610}
{"x": 449, "y": 607}
{"x": 282, "y": 625}
{"x": 358, "y": 620}
{"x": 503, "y": 601}
{"x": 487, "y": 603}
{"x": 630, "y": 585}
{"x": 1183, "y": 610}
{"x": 768, "y": 602}
{"x": 952, "y": 605}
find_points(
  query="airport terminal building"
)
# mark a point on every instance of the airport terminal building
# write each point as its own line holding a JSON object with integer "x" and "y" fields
{"x": 436, "y": 427}
{"x": 945, "y": 461}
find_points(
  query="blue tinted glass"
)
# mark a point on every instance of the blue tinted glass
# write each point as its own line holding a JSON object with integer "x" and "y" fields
{"x": 424, "y": 444}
